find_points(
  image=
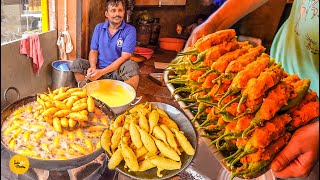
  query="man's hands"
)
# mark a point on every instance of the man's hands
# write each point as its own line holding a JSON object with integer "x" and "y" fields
{"x": 91, "y": 71}
{"x": 94, "y": 73}
{"x": 301, "y": 154}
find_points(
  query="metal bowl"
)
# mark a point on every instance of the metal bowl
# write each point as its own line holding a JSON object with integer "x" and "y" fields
{"x": 189, "y": 131}
{"x": 106, "y": 85}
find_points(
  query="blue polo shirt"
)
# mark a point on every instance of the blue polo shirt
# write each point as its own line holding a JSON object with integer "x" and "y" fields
{"x": 110, "y": 48}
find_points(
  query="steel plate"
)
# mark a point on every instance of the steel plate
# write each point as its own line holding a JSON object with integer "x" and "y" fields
{"x": 189, "y": 131}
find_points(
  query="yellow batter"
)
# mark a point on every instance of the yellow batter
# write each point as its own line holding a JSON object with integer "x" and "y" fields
{"x": 110, "y": 92}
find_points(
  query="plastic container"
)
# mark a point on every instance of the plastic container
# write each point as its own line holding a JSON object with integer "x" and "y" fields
{"x": 143, "y": 34}
{"x": 155, "y": 31}
{"x": 173, "y": 44}
{"x": 145, "y": 52}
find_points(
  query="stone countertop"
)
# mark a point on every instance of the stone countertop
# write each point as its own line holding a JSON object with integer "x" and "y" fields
{"x": 148, "y": 89}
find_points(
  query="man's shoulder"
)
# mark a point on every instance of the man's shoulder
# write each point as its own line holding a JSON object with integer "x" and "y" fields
{"x": 130, "y": 27}
{"x": 100, "y": 25}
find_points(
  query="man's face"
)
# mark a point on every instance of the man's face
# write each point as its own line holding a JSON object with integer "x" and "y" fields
{"x": 115, "y": 14}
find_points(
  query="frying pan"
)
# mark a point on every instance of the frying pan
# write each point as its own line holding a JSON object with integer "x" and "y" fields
{"x": 54, "y": 165}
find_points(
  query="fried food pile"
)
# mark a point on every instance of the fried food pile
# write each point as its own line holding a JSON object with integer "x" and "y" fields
{"x": 65, "y": 107}
{"x": 242, "y": 99}
{"x": 145, "y": 137}
{"x": 61, "y": 124}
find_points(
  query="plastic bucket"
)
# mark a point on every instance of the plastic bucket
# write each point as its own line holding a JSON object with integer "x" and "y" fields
{"x": 173, "y": 44}
{"x": 61, "y": 74}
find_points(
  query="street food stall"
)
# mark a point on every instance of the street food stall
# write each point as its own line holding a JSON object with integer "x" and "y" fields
{"x": 220, "y": 109}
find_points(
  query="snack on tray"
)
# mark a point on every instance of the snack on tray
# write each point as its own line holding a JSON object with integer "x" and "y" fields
{"x": 247, "y": 104}
{"x": 145, "y": 138}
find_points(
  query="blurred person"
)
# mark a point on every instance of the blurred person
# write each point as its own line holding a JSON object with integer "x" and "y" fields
{"x": 185, "y": 31}
{"x": 200, "y": 19}
{"x": 113, "y": 42}
{"x": 296, "y": 46}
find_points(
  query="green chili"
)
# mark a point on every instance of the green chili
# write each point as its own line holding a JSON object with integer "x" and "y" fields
{"x": 301, "y": 91}
{"x": 276, "y": 98}
{"x": 201, "y": 108}
{"x": 268, "y": 155}
{"x": 256, "y": 87}
{"x": 191, "y": 52}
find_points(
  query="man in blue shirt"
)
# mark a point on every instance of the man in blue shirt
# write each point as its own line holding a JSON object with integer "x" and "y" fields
{"x": 112, "y": 45}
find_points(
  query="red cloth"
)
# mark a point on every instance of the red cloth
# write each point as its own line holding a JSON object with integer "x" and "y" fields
{"x": 31, "y": 47}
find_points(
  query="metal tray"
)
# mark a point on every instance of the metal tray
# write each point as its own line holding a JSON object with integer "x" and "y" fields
{"x": 189, "y": 114}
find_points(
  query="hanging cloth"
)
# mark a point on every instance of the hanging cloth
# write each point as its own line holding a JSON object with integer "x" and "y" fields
{"x": 61, "y": 46}
{"x": 65, "y": 44}
{"x": 31, "y": 47}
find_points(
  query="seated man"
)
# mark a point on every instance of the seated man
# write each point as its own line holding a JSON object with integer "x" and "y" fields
{"x": 112, "y": 45}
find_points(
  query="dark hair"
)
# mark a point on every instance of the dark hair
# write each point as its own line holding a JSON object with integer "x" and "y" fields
{"x": 115, "y": 3}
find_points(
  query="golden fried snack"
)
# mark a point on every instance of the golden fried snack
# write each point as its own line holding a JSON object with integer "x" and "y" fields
{"x": 115, "y": 159}
{"x": 146, "y": 165}
{"x": 143, "y": 122}
{"x": 159, "y": 134}
{"x": 135, "y": 135}
{"x": 166, "y": 150}
{"x": 184, "y": 143}
{"x": 153, "y": 119}
{"x": 147, "y": 141}
{"x": 164, "y": 163}
{"x": 115, "y": 139}
{"x": 170, "y": 138}
{"x": 129, "y": 157}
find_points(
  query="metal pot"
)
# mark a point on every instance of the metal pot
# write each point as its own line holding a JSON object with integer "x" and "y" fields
{"x": 58, "y": 165}
{"x": 106, "y": 84}
{"x": 61, "y": 74}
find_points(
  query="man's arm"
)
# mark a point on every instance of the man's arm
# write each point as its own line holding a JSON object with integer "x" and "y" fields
{"x": 93, "y": 54}
{"x": 227, "y": 15}
{"x": 97, "y": 73}
{"x": 93, "y": 59}
{"x": 117, "y": 63}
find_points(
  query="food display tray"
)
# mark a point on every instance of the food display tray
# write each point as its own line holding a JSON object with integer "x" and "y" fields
{"x": 189, "y": 114}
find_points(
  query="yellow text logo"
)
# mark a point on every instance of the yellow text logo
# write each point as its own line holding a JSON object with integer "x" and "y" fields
{"x": 19, "y": 164}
